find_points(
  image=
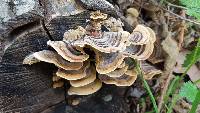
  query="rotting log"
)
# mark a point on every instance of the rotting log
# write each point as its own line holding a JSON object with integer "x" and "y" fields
{"x": 25, "y": 27}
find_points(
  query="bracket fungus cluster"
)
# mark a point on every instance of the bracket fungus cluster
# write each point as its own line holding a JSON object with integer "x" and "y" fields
{"x": 100, "y": 52}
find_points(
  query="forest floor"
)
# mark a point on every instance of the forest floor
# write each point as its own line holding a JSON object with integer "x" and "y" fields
{"x": 176, "y": 24}
{"x": 177, "y": 35}
{"x": 178, "y": 32}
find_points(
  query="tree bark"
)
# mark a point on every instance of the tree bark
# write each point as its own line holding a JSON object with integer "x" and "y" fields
{"x": 25, "y": 27}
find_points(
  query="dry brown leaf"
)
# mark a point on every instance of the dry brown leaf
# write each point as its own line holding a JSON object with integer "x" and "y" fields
{"x": 171, "y": 48}
{"x": 193, "y": 72}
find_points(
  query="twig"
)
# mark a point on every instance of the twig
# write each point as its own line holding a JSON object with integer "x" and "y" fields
{"x": 181, "y": 7}
{"x": 183, "y": 18}
{"x": 170, "y": 76}
{"x": 180, "y": 17}
{"x": 182, "y": 29}
{"x": 195, "y": 103}
{"x": 173, "y": 5}
{"x": 147, "y": 87}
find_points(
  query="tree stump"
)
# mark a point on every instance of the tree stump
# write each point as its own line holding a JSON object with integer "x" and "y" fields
{"x": 25, "y": 27}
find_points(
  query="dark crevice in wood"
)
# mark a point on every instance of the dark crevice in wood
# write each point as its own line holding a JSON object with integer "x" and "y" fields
{"x": 65, "y": 91}
{"x": 15, "y": 32}
{"x": 52, "y": 107}
{"x": 19, "y": 30}
{"x": 43, "y": 22}
{"x": 40, "y": 3}
{"x": 51, "y": 38}
{"x": 46, "y": 30}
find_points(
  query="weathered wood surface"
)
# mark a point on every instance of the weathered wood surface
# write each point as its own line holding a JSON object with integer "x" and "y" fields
{"x": 60, "y": 24}
{"x": 15, "y": 18}
{"x": 95, "y": 103}
{"x": 28, "y": 89}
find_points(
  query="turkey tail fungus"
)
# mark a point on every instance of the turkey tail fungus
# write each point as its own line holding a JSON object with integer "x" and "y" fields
{"x": 111, "y": 48}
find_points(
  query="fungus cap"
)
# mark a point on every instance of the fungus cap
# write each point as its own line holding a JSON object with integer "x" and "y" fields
{"x": 71, "y": 35}
{"x": 140, "y": 35}
{"x": 124, "y": 80}
{"x": 107, "y": 62}
{"x": 90, "y": 77}
{"x": 53, "y": 57}
{"x": 107, "y": 42}
{"x": 98, "y": 15}
{"x": 87, "y": 89}
{"x": 118, "y": 72}
{"x": 133, "y": 12}
{"x": 68, "y": 52}
{"x": 74, "y": 74}
{"x": 149, "y": 70}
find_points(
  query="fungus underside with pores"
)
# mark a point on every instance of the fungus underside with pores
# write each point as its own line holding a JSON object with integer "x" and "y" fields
{"x": 113, "y": 48}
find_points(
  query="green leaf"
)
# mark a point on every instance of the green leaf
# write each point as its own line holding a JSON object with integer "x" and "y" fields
{"x": 193, "y": 7}
{"x": 175, "y": 98}
{"x": 193, "y": 57}
{"x": 194, "y": 13}
{"x": 171, "y": 88}
{"x": 195, "y": 103}
{"x": 189, "y": 91}
{"x": 191, "y": 3}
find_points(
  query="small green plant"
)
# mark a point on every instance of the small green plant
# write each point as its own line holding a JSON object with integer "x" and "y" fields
{"x": 193, "y": 57}
{"x": 191, "y": 93}
{"x": 188, "y": 91}
{"x": 193, "y": 7}
{"x": 195, "y": 102}
{"x": 146, "y": 87}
